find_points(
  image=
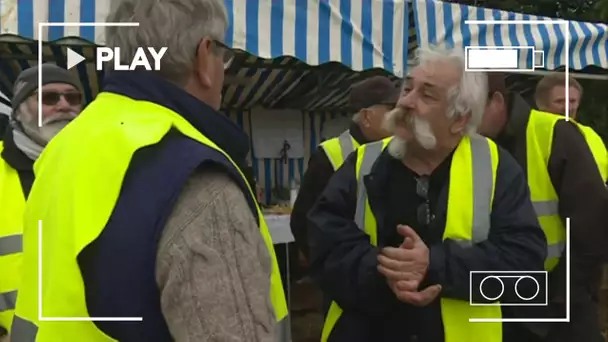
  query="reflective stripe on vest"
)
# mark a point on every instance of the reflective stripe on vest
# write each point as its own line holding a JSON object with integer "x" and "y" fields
{"x": 8, "y": 301}
{"x": 12, "y": 207}
{"x": 80, "y": 208}
{"x": 337, "y": 149}
{"x": 11, "y": 244}
{"x": 473, "y": 172}
{"x": 539, "y": 142}
{"x": 544, "y": 209}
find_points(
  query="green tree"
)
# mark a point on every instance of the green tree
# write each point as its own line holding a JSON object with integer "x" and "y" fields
{"x": 601, "y": 6}
{"x": 586, "y": 10}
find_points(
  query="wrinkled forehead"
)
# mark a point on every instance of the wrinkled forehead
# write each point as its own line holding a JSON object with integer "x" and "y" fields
{"x": 59, "y": 87}
{"x": 434, "y": 75}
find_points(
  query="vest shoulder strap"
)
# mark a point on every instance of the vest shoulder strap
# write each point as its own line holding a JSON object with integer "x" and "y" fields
{"x": 367, "y": 155}
{"x": 337, "y": 149}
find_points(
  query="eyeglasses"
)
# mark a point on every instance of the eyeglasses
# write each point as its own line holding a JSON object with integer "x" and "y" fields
{"x": 226, "y": 52}
{"x": 51, "y": 98}
{"x": 424, "y": 215}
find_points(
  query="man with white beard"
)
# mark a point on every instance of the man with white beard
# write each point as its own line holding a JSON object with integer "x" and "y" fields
{"x": 21, "y": 145}
{"x": 405, "y": 220}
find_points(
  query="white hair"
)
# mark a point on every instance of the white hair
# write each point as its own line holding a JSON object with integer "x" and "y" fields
{"x": 179, "y": 25}
{"x": 470, "y": 95}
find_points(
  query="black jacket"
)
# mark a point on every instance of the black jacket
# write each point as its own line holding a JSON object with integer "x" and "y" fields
{"x": 18, "y": 160}
{"x": 344, "y": 262}
{"x": 584, "y": 199}
{"x": 315, "y": 179}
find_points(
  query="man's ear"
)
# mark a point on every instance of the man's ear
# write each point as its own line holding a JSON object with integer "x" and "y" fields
{"x": 460, "y": 123}
{"x": 497, "y": 99}
{"x": 370, "y": 117}
{"x": 365, "y": 115}
{"x": 496, "y": 104}
{"x": 203, "y": 63}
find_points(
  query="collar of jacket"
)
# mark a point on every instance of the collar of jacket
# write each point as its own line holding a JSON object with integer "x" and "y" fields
{"x": 144, "y": 86}
{"x": 13, "y": 155}
{"x": 357, "y": 133}
{"x": 518, "y": 111}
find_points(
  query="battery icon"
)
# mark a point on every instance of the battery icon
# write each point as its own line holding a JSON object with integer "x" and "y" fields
{"x": 504, "y": 59}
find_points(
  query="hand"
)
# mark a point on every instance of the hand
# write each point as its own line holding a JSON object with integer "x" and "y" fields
{"x": 405, "y": 268}
{"x": 407, "y": 264}
{"x": 418, "y": 298}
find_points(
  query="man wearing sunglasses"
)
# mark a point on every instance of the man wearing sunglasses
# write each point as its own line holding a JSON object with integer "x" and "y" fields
{"x": 146, "y": 192}
{"x": 22, "y": 143}
{"x": 404, "y": 220}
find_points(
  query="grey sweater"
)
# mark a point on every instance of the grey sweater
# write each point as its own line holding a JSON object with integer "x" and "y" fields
{"x": 213, "y": 268}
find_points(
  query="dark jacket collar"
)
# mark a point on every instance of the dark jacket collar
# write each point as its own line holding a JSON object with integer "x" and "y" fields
{"x": 214, "y": 125}
{"x": 513, "y": 136}
{"x": 357, "y": 134}
{"x": 13, "y": 155}
{"x": 518, "y": 111}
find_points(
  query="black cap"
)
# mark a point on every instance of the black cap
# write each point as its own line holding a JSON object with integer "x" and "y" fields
{"x": 27, "y": 81}
{"x": 373, "y": 91}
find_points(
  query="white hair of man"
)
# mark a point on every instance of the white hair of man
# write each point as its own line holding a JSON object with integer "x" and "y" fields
{"x": 179, "y": 25}
{"x": 470, "y": 95}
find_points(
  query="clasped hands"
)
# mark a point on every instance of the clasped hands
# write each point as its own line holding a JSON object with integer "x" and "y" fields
{"x": 405, "y": 268}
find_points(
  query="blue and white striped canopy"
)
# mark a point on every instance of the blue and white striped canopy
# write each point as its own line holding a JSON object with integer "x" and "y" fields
{"x": 362, "y": 34}
{"x": 442, "y": 23}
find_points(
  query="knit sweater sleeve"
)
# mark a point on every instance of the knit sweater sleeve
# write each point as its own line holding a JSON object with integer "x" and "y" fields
{"x": 213, "y": 268}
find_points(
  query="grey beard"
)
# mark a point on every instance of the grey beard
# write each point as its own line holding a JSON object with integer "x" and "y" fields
{"x": 42, "y": 135}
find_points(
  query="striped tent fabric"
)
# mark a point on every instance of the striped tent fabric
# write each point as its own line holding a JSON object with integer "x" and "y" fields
{"x": 443, "y": 23}
{"x": 361, "y": 35}
{"x": 276, "y": 41}
{"x": 267, "y": 86}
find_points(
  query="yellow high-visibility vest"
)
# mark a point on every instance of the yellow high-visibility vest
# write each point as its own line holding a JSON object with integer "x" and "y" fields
{"x": 337, "y": 149}
{"x": 75, "y": 206}
{"x": 470, "y": 199}
{"x": 539, "y": 144}
{"x": 12, "y": 207}
{"x": 597, "y": 147}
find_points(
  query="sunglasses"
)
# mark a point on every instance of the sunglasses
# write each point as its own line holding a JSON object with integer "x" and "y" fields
{"x": 51, "y": 98}
{"x": 424, "y": 215}
{"x": 226, "y": 52}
